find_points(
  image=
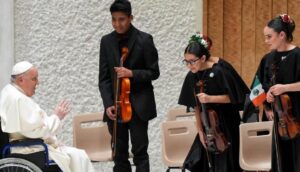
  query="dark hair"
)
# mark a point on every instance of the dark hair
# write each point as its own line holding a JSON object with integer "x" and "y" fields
{"x": 283, "y": 23}
{"x": 197, "y": 49}
{"x": 121, "y": 6}
{"x": 210, "y": 43}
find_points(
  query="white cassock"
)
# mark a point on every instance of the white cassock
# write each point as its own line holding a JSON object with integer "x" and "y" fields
{"x": 21, "y": 117}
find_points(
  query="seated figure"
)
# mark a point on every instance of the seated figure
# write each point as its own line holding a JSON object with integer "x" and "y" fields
{"x": 22, "y": 117}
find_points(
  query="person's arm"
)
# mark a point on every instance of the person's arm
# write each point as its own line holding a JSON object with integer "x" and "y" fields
{"x": 34, "y": 122}
{"x": 105, "y": 81}
{"x": 279, "y": 89}
{"x": 49, "y": 124}
{"x": 150, "y": 57}
{"x": 205, "y": 98}
{"x": 48, "y": 128}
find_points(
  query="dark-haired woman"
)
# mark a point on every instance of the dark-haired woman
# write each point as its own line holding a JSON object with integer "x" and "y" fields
{"x": 224, "y": 92}
{"x": 284, "y": 62}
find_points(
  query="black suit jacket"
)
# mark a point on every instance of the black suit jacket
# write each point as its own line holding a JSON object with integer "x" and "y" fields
{"x": 142, "y": 60}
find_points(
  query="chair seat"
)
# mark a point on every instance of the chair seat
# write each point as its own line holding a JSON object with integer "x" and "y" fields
{"x": 100, "y": 156}
{"x": 174, "y": 161}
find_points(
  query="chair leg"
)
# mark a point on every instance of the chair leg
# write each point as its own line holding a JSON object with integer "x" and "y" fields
{"x": 168, "y": 170}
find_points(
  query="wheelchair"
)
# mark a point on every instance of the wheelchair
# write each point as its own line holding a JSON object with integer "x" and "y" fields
{"x": 33, "y": 162}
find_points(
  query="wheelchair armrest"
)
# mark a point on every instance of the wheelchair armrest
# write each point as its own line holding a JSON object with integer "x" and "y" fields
{"x": 24, "y": 143}
{"x": 27, "y": 141}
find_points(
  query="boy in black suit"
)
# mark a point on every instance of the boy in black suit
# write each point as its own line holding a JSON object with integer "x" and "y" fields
{"x": 141, "y": 67}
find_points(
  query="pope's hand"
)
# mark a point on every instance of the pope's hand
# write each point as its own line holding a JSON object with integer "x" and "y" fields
{"x": 62, "y": 109}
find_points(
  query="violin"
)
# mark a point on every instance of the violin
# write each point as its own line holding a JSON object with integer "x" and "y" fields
{"x": 287, "y": 124}
{"x": 122, "y": 102}
{"x": 215, "y": 139}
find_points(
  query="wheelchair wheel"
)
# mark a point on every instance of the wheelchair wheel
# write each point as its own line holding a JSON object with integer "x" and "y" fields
{"x": 17, "y": 165}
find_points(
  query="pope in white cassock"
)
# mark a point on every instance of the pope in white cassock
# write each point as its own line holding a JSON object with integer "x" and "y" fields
{"x": 22, "y": 118}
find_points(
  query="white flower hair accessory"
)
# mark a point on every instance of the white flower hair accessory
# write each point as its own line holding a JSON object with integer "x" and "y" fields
{"x": 201, "y": 39}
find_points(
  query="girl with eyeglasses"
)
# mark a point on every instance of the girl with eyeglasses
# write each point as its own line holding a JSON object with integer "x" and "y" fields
{"x": 223, "y": 92}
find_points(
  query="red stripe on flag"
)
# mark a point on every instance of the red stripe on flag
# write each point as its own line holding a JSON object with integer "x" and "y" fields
{"x": 259, "y": 99}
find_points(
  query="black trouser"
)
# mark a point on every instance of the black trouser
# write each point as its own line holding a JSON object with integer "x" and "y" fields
{"x": 139, "y": 140}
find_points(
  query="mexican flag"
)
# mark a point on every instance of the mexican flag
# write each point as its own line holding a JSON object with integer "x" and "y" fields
{"x": 257, "y": 95}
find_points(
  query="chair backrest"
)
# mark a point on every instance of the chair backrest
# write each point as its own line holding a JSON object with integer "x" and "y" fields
{"x": 256, "y": 146}
{"x": 91, "y": 134}
{"x": 177, "y": 139}
{"x": 178, "y": 112}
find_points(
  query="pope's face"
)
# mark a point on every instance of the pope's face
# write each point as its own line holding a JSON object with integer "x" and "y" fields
{"x": 121, "y": 22}
{"x": 29, "y": 81}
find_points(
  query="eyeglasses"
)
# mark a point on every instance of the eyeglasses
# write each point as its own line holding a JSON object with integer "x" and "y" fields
{"x": 191, "y": 62}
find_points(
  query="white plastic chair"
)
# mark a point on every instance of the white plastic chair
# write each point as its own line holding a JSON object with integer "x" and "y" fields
{"x": 177, "y": 139}
{"x": 92, "y": 135}
{"x": 256, "y": 145}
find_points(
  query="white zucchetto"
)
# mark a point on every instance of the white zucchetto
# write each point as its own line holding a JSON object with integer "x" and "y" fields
{"x": 21, "y": 67}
